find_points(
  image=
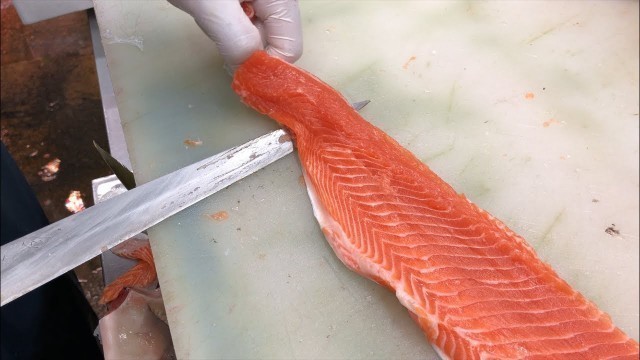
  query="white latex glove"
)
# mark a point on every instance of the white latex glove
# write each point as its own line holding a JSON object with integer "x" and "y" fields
{"x": 274, "y": 28}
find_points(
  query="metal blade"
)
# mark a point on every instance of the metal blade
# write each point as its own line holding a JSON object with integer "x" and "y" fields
{"x": 41, "y": 256}
{"x": 121, "y": 172}
{"x": 360, "y": 104}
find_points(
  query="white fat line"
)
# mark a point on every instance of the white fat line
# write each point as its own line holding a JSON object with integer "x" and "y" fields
{"x": 523, "y": 326}
{"x": 497, "y": 289}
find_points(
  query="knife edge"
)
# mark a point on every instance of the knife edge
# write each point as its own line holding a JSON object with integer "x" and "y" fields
{"x": 41, "y": 256}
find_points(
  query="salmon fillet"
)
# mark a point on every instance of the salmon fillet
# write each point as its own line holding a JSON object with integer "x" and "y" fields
{"x": 476, "y": 289}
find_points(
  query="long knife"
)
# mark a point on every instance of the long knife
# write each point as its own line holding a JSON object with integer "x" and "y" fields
{"x": 45, "y": 254}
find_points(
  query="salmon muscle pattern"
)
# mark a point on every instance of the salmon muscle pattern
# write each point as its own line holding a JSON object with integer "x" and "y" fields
{"x": 477, "y": 289}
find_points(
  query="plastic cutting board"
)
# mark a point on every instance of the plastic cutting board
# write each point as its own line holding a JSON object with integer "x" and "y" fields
{"x": 529, "y": 108}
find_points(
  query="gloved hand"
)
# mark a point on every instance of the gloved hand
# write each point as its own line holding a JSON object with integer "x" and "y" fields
{"x": 274, "y": 28}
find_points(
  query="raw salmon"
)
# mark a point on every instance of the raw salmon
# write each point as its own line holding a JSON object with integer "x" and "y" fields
{"x": 477, "y": 289}
{"x": 141, "y": 275}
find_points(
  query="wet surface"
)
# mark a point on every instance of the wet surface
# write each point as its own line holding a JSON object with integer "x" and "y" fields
{"x": 51, "y": 109}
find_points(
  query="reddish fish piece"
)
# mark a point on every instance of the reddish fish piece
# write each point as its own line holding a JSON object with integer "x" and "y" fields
{"x": 247, "y": 7}
{"x": 477, "y": 289}
{"x": 140, "y": 275}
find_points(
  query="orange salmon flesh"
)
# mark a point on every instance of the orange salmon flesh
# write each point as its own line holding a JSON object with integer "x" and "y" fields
{"x": 476, "y": 289}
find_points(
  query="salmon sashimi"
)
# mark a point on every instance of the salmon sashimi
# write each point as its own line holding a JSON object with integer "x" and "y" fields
{"x": 141, "y": 275}
{"x": 476, "y": 289}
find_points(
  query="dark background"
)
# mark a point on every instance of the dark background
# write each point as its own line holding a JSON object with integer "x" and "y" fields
{"x": 51, "y": 108}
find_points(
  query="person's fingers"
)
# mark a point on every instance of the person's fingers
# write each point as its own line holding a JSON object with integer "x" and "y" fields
{"x": 281, "y": 27}
{"x": 226, "y": 23}
{"x": 276, "y": 27}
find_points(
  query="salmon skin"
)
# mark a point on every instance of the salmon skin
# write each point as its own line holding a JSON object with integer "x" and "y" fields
{"x": 476, "y": 289}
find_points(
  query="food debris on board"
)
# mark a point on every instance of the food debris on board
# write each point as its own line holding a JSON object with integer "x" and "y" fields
{"x": 219, "y": 216}
{"x": 611, "y": 230}
{"x": 49, "y": 170}
{"x": 550, "y": 122}
{"x": 406, "y": 64}
{"x": 192, "y": 143}
{"x": 74, "y": 202}
{"x": 529, "y": 96}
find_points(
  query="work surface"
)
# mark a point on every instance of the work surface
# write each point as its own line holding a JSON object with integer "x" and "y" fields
{"x": 528, "y": 108}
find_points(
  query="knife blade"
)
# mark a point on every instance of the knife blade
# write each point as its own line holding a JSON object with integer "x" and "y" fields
{"x": 45, "y": 254}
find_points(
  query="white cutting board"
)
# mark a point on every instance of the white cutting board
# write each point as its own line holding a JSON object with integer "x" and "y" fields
{"x": 449, "y": 80}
